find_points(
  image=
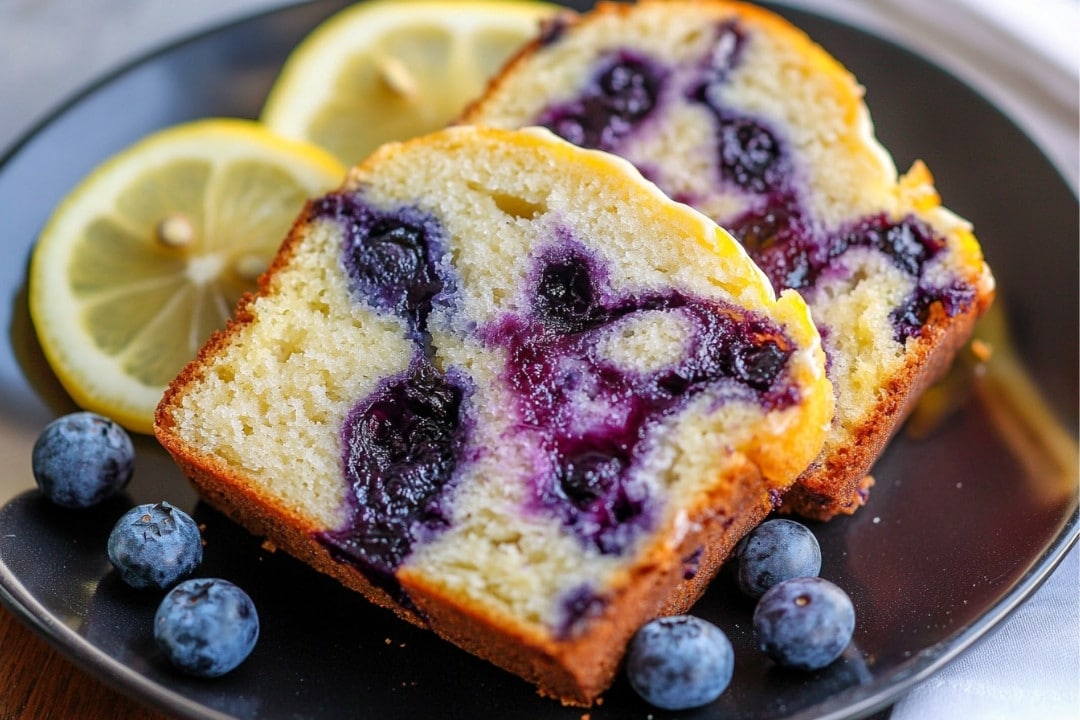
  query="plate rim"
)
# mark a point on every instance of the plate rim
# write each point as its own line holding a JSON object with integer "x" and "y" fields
{"x": 866, "y": 699}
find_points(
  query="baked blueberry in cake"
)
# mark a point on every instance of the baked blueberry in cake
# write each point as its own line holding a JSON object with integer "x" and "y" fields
{"x": 729, "y": 108}
{"x": 505, "y": 387}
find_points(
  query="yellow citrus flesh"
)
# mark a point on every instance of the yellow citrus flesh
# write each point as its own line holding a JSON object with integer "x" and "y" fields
{"x": 393, "y": 69}
{"x": 150, "y": 253}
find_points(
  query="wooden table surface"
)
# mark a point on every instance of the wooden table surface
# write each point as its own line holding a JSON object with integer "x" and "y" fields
{"x": 39, "y": 683}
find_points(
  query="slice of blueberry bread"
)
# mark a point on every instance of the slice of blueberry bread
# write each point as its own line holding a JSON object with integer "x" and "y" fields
{"x": 507, "y": 388}
{"x": 729, "y": 108}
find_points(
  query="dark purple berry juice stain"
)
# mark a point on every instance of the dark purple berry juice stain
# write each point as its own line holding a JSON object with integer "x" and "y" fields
{"x": 577, "y": 604}
{"x": 616, "y": 100}
{"x": 401, "y": 443}
{"x": 390, "y": 258}
{"x": 558, "y": 377}
{"x": 779, "y": 234}
{"x": 725, "y": 55}
{"x": 795, "y": 255}
{"x": 750, "y": 155}
{"x": 752, "y": 160}
{"x": 401, "y": 447}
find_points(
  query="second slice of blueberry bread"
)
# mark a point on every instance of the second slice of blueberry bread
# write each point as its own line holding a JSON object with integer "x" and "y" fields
{"x": 508, "y": 389}
{"x": 731, "y": 109}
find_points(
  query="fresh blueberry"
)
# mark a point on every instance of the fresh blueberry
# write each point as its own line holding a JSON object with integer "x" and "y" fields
{"x": 804, "y": 623}
{"x": 206, "y": 627}
{"x": 154, "y": 546}
{"x": 81, "y": 459}
{"x": 775, "y": 551}
{"x": 680, "y": 662}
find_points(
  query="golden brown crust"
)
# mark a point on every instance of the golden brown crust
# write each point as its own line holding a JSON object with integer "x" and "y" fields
{"x": 574, "y": 670}
{"x": 579, "y": 666}
{"x": 840, "y": 483}
{"x": 721, "y": 530}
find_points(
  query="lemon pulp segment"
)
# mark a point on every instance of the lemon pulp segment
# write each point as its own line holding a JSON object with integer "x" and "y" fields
{"x": 151, "y": 252}
{"x": 390, "y": 70}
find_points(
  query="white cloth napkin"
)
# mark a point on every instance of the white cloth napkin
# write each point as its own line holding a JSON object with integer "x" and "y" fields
{"x": 1029, "y": 668}
{"x": 1024, "y": 55}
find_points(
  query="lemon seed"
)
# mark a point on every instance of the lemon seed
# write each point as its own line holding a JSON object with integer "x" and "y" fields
{"x": 396, "y": 76}
{"x": 175, "y": 230}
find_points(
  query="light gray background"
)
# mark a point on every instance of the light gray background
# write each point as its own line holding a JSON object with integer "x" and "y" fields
{"x": 51, "y": 48}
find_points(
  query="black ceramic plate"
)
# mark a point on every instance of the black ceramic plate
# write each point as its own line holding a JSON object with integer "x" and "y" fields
{"x": 958, "y": 532}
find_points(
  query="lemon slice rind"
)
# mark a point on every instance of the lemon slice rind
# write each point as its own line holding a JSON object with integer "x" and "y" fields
{"x": 63, "y": 309}
{"x": 396, "y": 98}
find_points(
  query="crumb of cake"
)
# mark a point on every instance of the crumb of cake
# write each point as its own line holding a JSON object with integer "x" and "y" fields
{"x": 982, "y": 350}
{"x": 448, "y": 383}
{"x": 787, "y": 162}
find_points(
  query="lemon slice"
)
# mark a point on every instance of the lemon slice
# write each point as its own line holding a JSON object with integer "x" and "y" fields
{"x": 392, "y": 69}
{"x": 150, "y": 253}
